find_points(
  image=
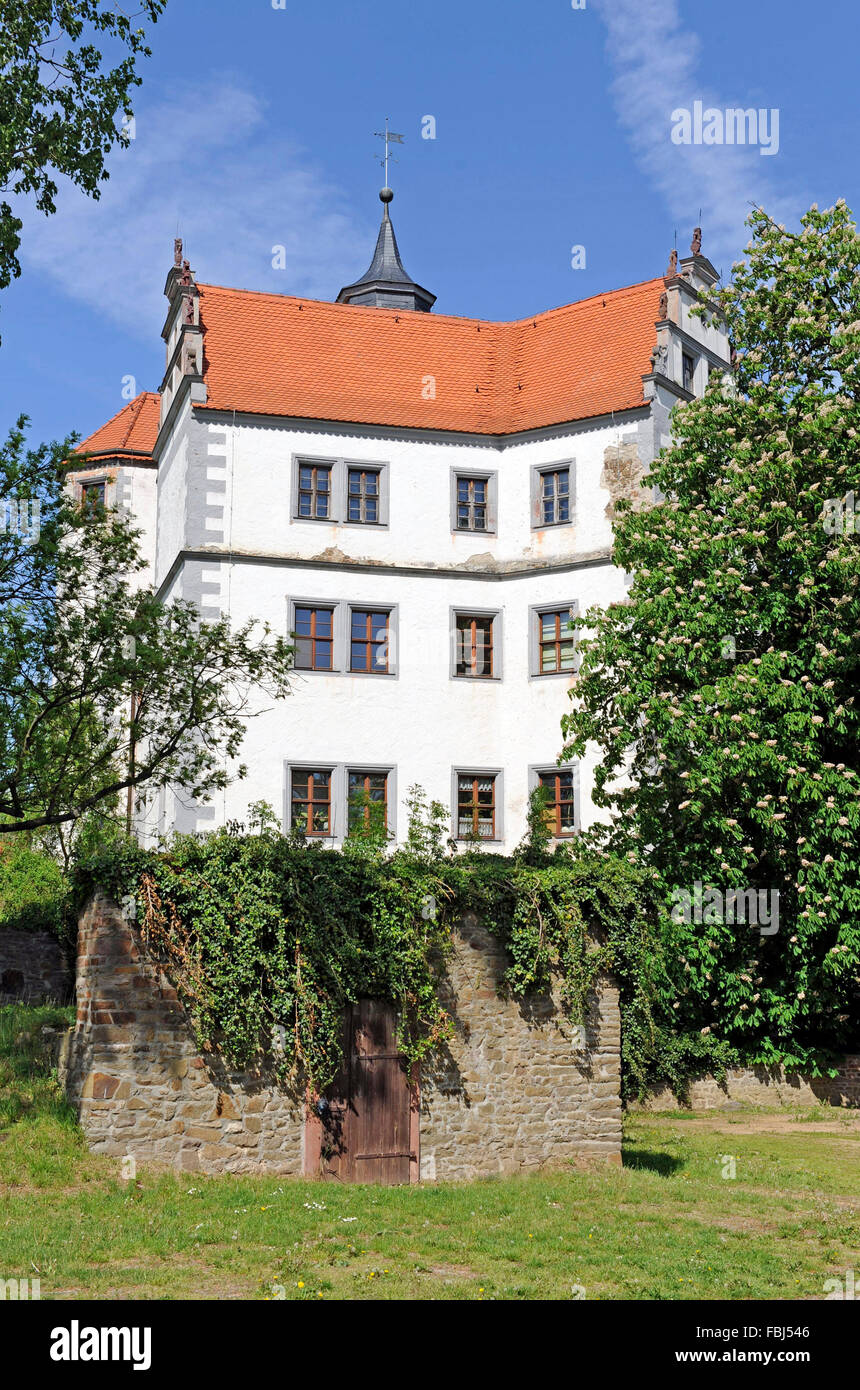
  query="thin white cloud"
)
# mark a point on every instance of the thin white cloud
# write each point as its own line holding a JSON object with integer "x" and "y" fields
{"x": 214, "y": 169}
{"x": 656, "y": 62}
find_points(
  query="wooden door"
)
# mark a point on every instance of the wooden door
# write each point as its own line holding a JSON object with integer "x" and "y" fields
{"x": 365, "y": 1128}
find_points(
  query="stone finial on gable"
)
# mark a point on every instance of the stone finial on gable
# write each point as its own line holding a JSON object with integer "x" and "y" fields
{"x": 696, "y": 243}
{"x": 182, "y": 332}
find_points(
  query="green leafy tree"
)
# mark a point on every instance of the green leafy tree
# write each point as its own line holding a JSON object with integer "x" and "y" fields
{"x": 724, "y": 688}
{"x": 61, "y": 101}
{"x": 103, "y": 687}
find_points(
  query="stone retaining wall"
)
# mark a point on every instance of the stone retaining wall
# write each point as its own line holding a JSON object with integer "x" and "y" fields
{"x": 517, "y": 1087}
{"x": 768, "y": 1086}
{"x": 33, "y": 968}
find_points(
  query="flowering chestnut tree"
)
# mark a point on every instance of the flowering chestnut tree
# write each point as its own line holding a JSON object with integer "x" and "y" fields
{"x": 722, "y": 694}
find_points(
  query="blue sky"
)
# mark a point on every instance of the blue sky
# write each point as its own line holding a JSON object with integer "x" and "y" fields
{"x": 254, "y": 129}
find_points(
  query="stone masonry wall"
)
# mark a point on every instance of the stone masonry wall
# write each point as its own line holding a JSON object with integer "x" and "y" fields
{"x": 767, "y": 1086}
{"x": 517, "y": 1087}
{"x": 140, "y": 1085}
{"x": 33, "y": 968}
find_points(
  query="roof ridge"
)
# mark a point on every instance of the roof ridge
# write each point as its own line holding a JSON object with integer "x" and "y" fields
{"x": 434, "y": 317}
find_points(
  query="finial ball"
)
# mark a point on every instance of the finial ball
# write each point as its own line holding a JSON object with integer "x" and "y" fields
{"x": 386, "y": 194}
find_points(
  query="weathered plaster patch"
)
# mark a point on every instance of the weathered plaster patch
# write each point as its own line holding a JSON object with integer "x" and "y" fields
{"x": 622, "y": 477}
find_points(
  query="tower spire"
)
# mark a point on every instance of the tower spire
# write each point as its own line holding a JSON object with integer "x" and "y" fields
{"x": 386, "y": 284}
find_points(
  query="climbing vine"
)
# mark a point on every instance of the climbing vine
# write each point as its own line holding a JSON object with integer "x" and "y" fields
{"x": 267, "y": 939}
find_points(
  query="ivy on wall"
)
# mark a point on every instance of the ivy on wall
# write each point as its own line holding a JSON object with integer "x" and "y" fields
{"x": 267, "y": 939}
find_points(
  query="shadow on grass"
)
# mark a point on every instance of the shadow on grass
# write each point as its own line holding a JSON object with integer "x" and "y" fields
{"x": 648, "y": 1162}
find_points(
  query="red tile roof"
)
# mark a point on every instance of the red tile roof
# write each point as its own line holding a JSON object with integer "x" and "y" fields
{"x": 131, "y": 433}
{"x": 270, "y": 354}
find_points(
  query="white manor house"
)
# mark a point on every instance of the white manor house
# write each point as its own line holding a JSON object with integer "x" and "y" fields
{"x": 423, "y": 500}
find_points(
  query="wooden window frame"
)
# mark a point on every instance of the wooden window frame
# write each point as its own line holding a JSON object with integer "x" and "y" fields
{"x": 369, "y": 642}
{"x": 366, "y": 774}
{"x": 537, "y": 612}
{"x": 362, "y": 496}
{"x": 314, "y": 492}
{"x": 314, "y": 609}
{"x": 473, "y": 505}
{"x": 310, "y": 802}
{"x": 542, "y": 471}
{"x": 491, "y": 485}
{"x": 90, "y": 485}
{"x": 556, "y": 643}
{"x": 685, "y": 358}
{"x": 558, "y": 801}
{"x": 339, "y": 470}
{"x": 475, "y": 807}
{"x": 537, "y": 771}
{"x": 339, "y": 774}
{"x": 493, "y": 617}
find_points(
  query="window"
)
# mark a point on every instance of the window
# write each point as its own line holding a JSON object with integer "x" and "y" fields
{"x": 552, "y": 641}
{"x": 560, "y": 791}
{"x": 341, "y": 491}
{"x": 552, "y": 495}
{"x": 332, "y": 800}
{"x": 311, "y": 802}
{"x": 473, "y": 646}
{"x": 314, "y": 637}
{"x": 362, "y": 503}
{"x": 555, "y": 642}
{"x": 471, "y": 504}
{"x": 93, "y": 495}
{"x": 368, "y": 641}
{"x": 367, "y": 800}
{"x": 341, "y": 638}
{"x": 474, "y": 502}
{"x": 315, "y": 491}
{"x": 555, "y": 496}
{"x": 476, "y": 806}
{"x": 688, "y": 368}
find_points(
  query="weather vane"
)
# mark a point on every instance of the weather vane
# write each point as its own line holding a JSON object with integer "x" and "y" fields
{"x": 388, "y": 136}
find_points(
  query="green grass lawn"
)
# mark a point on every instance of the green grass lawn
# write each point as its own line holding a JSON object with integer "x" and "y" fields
{"x": 668, "y": 1225}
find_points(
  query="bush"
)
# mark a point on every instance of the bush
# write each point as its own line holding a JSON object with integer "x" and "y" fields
{"x": 34, "y": 891}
